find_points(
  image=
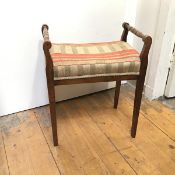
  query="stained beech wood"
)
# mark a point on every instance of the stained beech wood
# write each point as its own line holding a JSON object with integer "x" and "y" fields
{"x": 95, "y": 79}
{"x": 117, "y": 92}
{"x": 139, "y": 78}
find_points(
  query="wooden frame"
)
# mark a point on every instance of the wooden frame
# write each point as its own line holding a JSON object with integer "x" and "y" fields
{"x": 139, "y": 78}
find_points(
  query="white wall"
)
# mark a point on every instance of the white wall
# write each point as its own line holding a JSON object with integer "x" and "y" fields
{"x": 155, "y": 57}
{"x": 22, "y": 73}
{"x": 151, "y": 19}
{"x": 147, "y": 14}
{"x": 167, "y": 35}
{"x": 167, "y": 48}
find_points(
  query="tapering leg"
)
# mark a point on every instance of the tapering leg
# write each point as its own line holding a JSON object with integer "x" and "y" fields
{"x": 137, "y": 104}
{"x": 52, "y": 105}
{"x": 117, "y": 92}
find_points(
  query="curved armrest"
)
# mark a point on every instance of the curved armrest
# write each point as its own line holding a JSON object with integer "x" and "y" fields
{"x": 133, "y": 30}
{"x": 146, "y": 39}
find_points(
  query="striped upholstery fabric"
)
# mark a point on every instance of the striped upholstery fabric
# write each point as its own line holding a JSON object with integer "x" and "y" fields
{"x": 94, "y": 59}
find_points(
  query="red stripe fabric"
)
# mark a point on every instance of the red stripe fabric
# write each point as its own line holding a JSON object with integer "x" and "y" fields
{"x": 82, "y": 57}
{"x": 114, "y": 58}
{"x": 126, "y": 52}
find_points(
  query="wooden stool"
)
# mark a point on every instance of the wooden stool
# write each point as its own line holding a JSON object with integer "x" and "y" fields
{"x": 96, "y": 62}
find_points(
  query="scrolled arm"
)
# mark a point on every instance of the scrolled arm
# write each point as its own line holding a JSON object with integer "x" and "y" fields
{"x": 45, "y": 34}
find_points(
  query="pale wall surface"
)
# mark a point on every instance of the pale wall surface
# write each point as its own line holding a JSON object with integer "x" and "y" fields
{"x": 22, "y": 69}
{"x": 151, "y": 18}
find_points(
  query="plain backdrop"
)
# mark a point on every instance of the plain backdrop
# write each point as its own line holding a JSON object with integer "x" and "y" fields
{"x": 22, "y": 69}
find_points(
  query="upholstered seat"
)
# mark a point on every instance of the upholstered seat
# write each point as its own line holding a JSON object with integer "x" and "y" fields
{"x": 68, "y": 64}
{"x": 72, "y": 61}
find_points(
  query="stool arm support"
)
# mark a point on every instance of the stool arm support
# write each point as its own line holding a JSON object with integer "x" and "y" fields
{"x": 133, "y": 30}
{"x": 47, "y": 44}
{"x": 145, "y": 38}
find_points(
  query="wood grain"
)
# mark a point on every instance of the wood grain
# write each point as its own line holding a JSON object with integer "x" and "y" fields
{"x": 112, "y": 123}
{"x": 99, "y": 142}
{"x": 26, "y": 148}
{"x": 94, "y": 138}
{"x": 75, "y": 155}
{"x": 155, "y": 110}
{"x": 3, "y": 158}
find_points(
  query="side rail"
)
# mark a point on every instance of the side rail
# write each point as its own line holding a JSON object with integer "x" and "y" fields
{"x": 145, "y": 38}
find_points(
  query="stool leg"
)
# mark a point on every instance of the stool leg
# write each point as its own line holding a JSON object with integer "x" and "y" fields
{"x": 117, "y": 92}
{"x": 52, "y": 106}
{"x": 137, "y": 104}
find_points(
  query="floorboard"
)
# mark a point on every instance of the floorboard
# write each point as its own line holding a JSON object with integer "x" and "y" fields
{"x": 94, "y": 138}
{"x": 26, "y": 148}
{"x": 4, "y": 170}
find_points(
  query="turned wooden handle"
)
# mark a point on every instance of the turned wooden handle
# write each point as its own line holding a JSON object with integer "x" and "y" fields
{"x": 134, "y": 31}
{"x": 47, "y": 44}
{"x": 45, "y": 32}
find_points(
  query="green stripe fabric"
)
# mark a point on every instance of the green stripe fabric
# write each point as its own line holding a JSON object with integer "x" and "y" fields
{"x": 126, "y": 63}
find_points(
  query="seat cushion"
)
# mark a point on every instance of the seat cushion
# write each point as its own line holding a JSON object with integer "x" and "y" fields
{"x": 73, "y": 61}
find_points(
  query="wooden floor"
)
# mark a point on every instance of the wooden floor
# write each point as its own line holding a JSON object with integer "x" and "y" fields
{"x": 94, "y": 139}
